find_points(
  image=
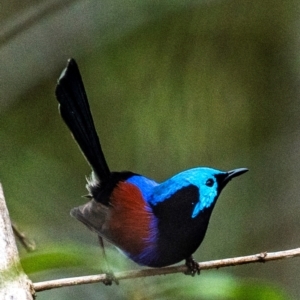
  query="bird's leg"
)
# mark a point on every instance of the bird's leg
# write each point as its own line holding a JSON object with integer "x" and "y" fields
{"x": 110, "y": 277}
{"x": 193, "y": 266}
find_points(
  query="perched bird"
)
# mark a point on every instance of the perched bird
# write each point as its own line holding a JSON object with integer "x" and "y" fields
{"x": 154, "y": 224}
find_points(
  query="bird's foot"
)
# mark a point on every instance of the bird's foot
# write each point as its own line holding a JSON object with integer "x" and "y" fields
{"x": 110, "y": 278}
{"x": 193, "y": 267}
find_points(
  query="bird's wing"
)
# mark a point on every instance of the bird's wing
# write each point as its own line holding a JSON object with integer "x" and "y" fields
{"x": 94, "y": 215}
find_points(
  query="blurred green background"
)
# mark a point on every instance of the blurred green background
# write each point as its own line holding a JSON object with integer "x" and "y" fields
{"x": 172, "y": 85}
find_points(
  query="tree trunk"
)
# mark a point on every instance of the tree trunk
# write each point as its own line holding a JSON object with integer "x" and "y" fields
{"x": 14, "y": 283}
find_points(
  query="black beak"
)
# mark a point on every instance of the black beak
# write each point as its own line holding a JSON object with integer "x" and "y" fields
{"x": 234, "y": 173}
{"x": 224, "y": 179}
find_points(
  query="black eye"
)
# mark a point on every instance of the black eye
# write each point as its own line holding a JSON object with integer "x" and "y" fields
{"x": 209, "y": 182}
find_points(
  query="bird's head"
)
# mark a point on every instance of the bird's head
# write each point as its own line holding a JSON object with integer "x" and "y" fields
{"x": 210, "y": 184}
{"x": 198, "y": 188}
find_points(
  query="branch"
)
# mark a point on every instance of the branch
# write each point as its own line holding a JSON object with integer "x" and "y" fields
{"x": 18, "y": 24}
{"x": 28, "y": 244}
{"x": 214, "y": 264}
{"x": 14, "y": 284}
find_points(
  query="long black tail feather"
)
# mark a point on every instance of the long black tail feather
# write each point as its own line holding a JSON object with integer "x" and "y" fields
{"x": 75, "y": 111}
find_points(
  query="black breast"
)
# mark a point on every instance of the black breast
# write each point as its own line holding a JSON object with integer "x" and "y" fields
{"x": 179, "y": 234}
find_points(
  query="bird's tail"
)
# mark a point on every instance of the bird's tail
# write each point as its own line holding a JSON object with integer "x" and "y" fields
{"x": 75, "y": 111}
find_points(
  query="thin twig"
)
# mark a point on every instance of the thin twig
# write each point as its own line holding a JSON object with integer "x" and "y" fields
{"x": 29, "y": 17}
{"x": 28, "y": 244}
{"x": 214, "y": 264}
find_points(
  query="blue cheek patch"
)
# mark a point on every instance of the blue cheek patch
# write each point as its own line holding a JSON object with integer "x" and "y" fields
{"x": 197, "y": 209}
{"x": 206, "y": 199}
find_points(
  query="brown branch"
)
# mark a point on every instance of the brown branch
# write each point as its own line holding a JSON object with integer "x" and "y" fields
{"x": 214, "y": 264}
{"x": 28, "y": 244}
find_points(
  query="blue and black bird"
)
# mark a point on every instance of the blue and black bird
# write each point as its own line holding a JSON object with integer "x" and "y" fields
{"x": 154, "y": 224}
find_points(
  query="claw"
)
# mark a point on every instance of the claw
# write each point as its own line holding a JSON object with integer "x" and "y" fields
{"x": 193, "y": 267}
{"x": 110, "y": 278}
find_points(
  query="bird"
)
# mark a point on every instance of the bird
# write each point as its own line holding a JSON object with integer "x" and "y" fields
{"x": 153, "y": 224}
